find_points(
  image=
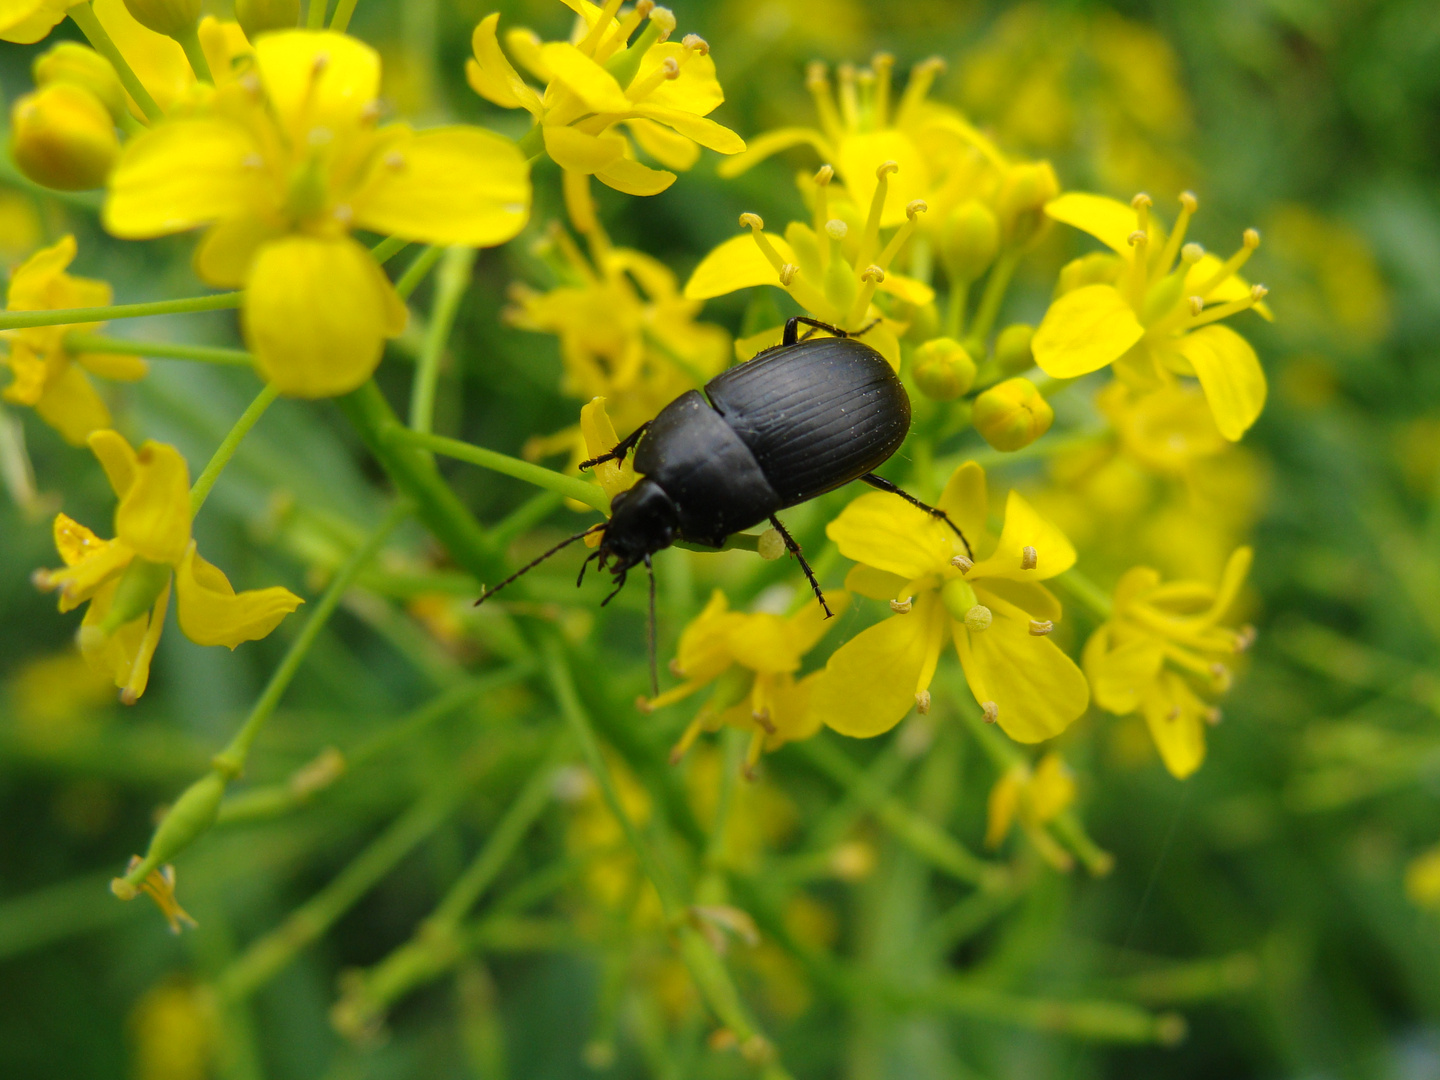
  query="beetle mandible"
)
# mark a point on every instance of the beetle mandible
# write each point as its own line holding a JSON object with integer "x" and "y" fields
{"x": 802, "y": 418}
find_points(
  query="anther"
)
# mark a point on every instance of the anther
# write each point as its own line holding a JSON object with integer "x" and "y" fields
{"x": 1138, "y": 237}
{"x": 1244, "y": 637}
{"x": 1173, "y": 713}
{"x": 762, "y": 717}
{"x": 1258, "y": 292}
{"x": 395, "y": 160}
{"x": 902, "y": 607}
{"x": 824, "y": 175}
{"x": 1197, "y": 305}
{"x": 1251, "y": 238}
{"x": 252, "y": 161}
{"x": 1192, "y": 252}
{"x": 961, "y": 563}
{"x": 886, "y": 168}
{"x": 836, "y": 229}
{"x": 42, "y": 580}
{"x": 671, "y": 67}
{"x": 665, "y": 19}
{"x": 817, "y": 75}
{"x": 675, "y": 668}
{"x": 1213, "y": 716}
{"x": 1040, "y": 627}
{"x": 696, "y": 43}
{"x": 1029, "y": 558}
{"x": 1188, "y": 202}
{"x": 872, "y": 273}
{"x": 991, "y": 711}
{"x": 343, "y": 213}
{"x": 1141, "y": 201}
{"x": 917, "y": 206}
{"x": 642, "y": 704}
{"x": 922, "y": 702}
{"x": 751, "y": 221}
{"x": 788, "y": 273}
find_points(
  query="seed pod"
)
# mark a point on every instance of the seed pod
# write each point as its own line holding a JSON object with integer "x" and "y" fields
{"x": 1012, "y": 349}
{"x": 191, "y": 816}
{"x": 172, "y": 18}
{"x": 1021, "y": 203}
{"x": 71, "y": 62}
{"x": 62, "y": 137}
{"x": 943, "y": 369}
{"x": 1012, "y": 414}
{"x": 969, "y": 240}
{"x": 257, "y": 16}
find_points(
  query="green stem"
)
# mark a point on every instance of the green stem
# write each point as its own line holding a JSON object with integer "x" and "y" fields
{"x": 77, "y": 342}
{"x": 993, "y": 296}
{"x": 340, "y": 21}
{"x": 450, "y": 284}
{"x": 386, "y": 249}
{"x": 84, "y": 17}
{"x": 232, "y": 759}
{"x": 955, "y": 309}
{"x": 572, "y": 487}
{"x": 21, "y": 320}
{"x": 315, "y": 15}
{"x": 200, "y": 491}
{"x": 416, "y": 271}
{"x": 415, "y": 475}
{"x": 199, "y": 63}
{"x": 1089, "y": 594}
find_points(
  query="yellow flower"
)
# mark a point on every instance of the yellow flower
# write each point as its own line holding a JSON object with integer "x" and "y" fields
{"x": 175, "y": 1033}
{"x": 127, "y": 580}
{"x": 832, "y": 269}
{"x": 63, "y": 137}
{"x": 1422, "y": 880}
{"x": 282, "y": 164}
{"x": 46, "y": 375}
{"x": 626, "y": 333}
{"x": 994, "y": 609}
{"x": 751, "y": 659}
{"x": 1148, "y": 316}
{"x": 662, "y": 91}
{"x": 160, "y": 64}
{"x": 1034, "y": 797}
{"x": 1160, "y": 640}
{"x": 27, "y": 21}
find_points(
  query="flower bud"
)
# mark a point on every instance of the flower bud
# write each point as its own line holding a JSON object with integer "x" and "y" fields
{"x": 1012, "y": 349}
{"x": 943, "y": 369}
{"x": 1097, "y": 268}
{"x": 190, "y": 818}
{"x": 172, "y": 18}
{"x": 71, "y": 62}
{"x": 257, "y": 16}
{"x": 969, "y": 240}
{"x": 62, "y": 137}
{"x": 1021, "y": 202}
{"x": 1012, "y": 414}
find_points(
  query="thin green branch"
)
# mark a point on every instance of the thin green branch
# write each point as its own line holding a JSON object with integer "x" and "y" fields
{"x": 21, "y": 320}
{"x": 415, "y": 273}
{"x": 79, "y": 342}
{"x": 1086, "y": 592}
{"x": 315, "y": 15}
{"x": 450, "y": 283}
{"x": 89, "y": 25}
{"x": 572, "y": 487}
{"x": 991, "y": 299}
{"x": 340, "y": 21}
{"x": 200, "y": 491}
{"x": 388, "y": 248}
{"x": 195, "y": 54}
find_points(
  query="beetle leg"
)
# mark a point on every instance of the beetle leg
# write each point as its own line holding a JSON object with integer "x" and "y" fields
{"x": 794, "y": 549}
{"x": 792, "y": 329}
{"x": 934, "y": 511}
{"x": 623, "y": 447}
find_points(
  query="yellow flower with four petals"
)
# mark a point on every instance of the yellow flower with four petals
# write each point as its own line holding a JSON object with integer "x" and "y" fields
{"x": 127, "y": 581}
{"x": 993, "y": 608}
{"x": 282, "y": 164}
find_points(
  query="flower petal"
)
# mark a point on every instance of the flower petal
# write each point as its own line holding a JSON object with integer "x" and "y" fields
{"x": 672, "y": 150}
{"x": 1084, "y": 330}
{"x": 966, "y": 499}
{"x": 493, "y": 77}
{"x": 1176, "y": 718}
{"x": 1023, "y": 528}
{"x": 71, "y": 405}
{"x": 861, "y": 155}
{"x": 773, "y": 142}
{"x": 573, "y": 149}
{"x": 632, "y": 178}
{"x": 117, "y": 458}
{"x": 764, "y": 642}
{"x": 153, "y": 518}
{"x": 158, "y": 61}
{"x": 116, "y": 655}
{"x": 27, "y": 21}
{"x": 211, "y": 612}
{"x": 1229, "y": 373}
{"x": 696, "y": 91}
{"x": 226, "y": 251}
{"x": 600, "y": 438}
{"x": 454, "y": 185}
{"x": 706, "y": 132}
{"x": 1121, "y": 674}
{"x": 884, "y": 531}
{"x": 1108, "y": 220}
{"x": 584, "y": 78}
{"x": 317, "y": 79}
{"x": 1037, "y": 689}
{"x": 316, "y": 314}
{"x": 869, "y": 682}
{"x": 180, "y": 174}
{"x": 738, "y": 263}
{"x": 33, "y": 282}
{"x": 876, "y": 584}
{"x": 704, "y": 648}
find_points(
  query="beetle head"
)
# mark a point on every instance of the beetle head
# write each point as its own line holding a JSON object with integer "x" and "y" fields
{"x": 642, "y": 521}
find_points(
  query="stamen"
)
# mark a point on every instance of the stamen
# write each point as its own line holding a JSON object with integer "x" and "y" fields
{"x": 1141, "y": 204}
{"x": 669, "y": 69}
{"x": 592, "y": 36}
{"x": 823, "y": 176}
{"x": 870, "y": 277}
{"x": 675, "y": 668}
{"x": 849, "y": 103}
{"x": 865, "y": 78}
{"x": 1040, "y": 627}
{"x": 788, "y": 273}
{"x": 922, "y": 76}
{"x": 752, "y": 755}
{"x": 870, "y": 239}
{"x": 884, "y": 65}
{"x": 817, "y": 81}
{"x": 961, "y": 563}
{"x": 1250, "y": 241}
{"x": 695, "y": 43}
{"x": 1244, "y": 638}
{"x": 756, "y": 224}
{"x": 922, "y": 702}
{"x": 1197, "y": 305}
{"x": 1029, "y": 557}
{"x": 991, "y": 711}
{"x": 1188, "y": 204}
{"x": 1213, "y": 716}
{"x": 762, "y": 717}
{"x": 627, "y": 27}
{"x": 395, "y": 160}
{"x": 1222, "y": 311}
{"x": 902, "y": 607}
{"x": 686, "y": 740}
{"x": 1173, "y": 713}
{"x": 915, "y": 208}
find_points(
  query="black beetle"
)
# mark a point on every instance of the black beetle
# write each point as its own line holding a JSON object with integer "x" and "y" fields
{"x": 802, "y": 418}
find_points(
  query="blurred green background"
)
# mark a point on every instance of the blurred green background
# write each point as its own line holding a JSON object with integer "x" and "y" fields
{"x": 1263, "y": 899}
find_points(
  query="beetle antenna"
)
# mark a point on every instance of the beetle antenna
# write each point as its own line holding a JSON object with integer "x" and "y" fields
{"x": 536, "y": 562}
{"x": 650, "y": 633}
{"x": 619, "y": 584}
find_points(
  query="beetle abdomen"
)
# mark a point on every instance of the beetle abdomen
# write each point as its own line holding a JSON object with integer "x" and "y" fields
{"x": 713, "y": 479}
{"x": 815, "y": 415}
